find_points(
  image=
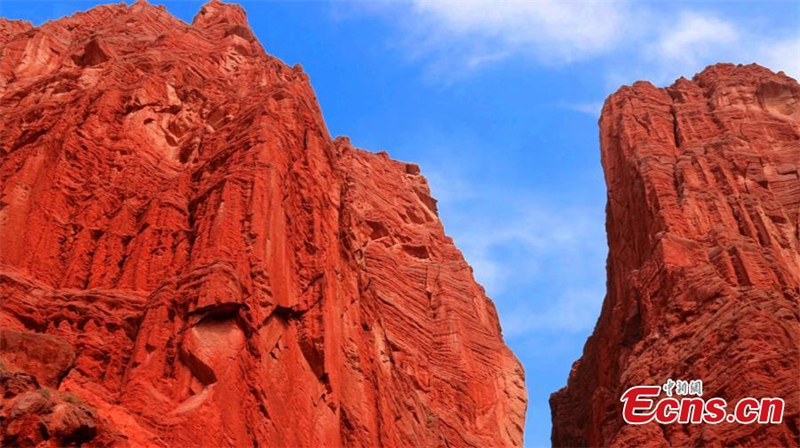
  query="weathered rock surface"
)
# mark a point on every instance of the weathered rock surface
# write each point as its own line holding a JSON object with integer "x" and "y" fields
{"x": 704, "y": 259}
{"x": 176, "y": 217}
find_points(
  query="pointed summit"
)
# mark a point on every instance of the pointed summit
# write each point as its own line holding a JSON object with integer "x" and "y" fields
{"x": 216, "y": 13}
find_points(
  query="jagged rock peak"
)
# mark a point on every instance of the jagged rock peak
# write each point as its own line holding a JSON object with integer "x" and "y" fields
{"x": 217, "y": 13}
{"x": 704, "y": 258}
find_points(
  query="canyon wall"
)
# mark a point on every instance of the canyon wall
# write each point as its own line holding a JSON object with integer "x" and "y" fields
{"x": 189, "y": 259}
{"x": 704, "y": 260}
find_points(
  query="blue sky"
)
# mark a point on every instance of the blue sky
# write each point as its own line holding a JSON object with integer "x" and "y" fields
{"x": 498, "y": 102}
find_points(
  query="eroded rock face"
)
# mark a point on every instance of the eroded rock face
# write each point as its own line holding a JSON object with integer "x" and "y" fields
{"x": 175, "y": 214}
{"x": 704, "y": 259}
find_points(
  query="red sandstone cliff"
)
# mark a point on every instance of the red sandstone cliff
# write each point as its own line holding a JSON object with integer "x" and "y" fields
{"x": 188, "y": 259}
{"x": 704, "y": 258}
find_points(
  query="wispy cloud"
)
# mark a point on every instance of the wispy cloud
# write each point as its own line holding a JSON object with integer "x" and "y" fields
{"x": 521, "y": 244}
{"x": 693, "y": 37}
{"x": 699, "y": 39}
{"x": 571, "y": 310}
{"x": 454, "y": 38}
{"x": 781, "y": 55}
{"x": 541, "y": 259}
{"x": 592, "y": 108}
{"x": 552, "y": 31}
{"x": 527, "y": 240}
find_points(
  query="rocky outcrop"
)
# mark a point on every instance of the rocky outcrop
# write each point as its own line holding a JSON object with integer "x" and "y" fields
{"x": 197, "y": 263}
{"x": 704, "y": 259}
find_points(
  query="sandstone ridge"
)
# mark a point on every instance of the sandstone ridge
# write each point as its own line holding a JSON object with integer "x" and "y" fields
{"x": 189, "y": 259}
{"x": 704, "y": 259}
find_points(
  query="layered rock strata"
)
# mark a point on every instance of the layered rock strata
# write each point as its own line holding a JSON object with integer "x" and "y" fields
{"x": 189, "y": 259}
{"x": 704, "y": 259}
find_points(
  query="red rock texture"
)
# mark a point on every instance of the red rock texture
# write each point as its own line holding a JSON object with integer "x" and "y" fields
{"x": 188, "y": 259}
{"x": 704, "y": 258}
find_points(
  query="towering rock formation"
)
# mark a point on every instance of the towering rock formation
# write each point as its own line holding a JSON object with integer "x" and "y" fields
{"x": 704, "y": 258}
{"x": 188, "y": 259}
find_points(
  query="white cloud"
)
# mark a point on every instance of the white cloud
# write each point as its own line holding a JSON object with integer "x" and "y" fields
{"x": 592, "y": 108}
{"x": 693, "y": 37}
{"x": 698, "y": 40}
{"x": 529, "y": 241}
{"x": 782, "y": 55}
{"x": 543, "y": 263}
{"x": 654, "y": 40}
{"x": 574, "y": 310}
{"x": 523, "y": 247}
{"x": 553, "y": 31}
{"x": 541, "y": 259}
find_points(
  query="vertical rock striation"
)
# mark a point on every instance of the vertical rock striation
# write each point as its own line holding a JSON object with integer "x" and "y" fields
{"x": 188, "y": 259}
{"x": 704, "y": 258}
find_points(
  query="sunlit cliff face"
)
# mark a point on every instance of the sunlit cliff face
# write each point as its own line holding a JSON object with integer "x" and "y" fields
{"x": 704, "y": 259}
{"x": 189, "y": 259}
